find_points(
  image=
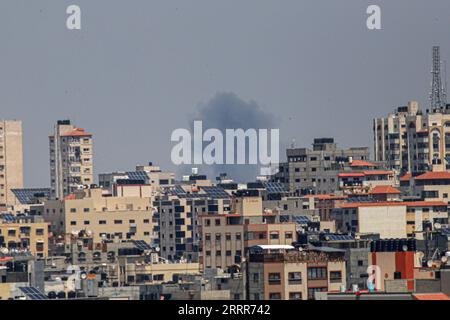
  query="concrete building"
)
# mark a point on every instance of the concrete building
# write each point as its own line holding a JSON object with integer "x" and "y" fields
{"x": 315, "y": 171}
{"x": 390, "y": 219}
{"x": 71, "y": 159}
{"x": 410, "y": 140}
{"x": 391, "y": 136}
{"x": 226, "y": 238}
{"x": 11, "y": 160}
{"x": 24, "y": 234}
{"x": 280, "y": 273}
{"x": 104, "y": 217}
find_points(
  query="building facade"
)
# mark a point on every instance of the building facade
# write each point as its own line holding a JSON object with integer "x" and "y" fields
{"x": 71, "y": 159}
{"x": 11, "y": 160}
{"x": 315, "y": 171}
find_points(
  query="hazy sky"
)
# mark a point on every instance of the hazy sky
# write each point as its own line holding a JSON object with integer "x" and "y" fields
{"x": 138, "y": 69}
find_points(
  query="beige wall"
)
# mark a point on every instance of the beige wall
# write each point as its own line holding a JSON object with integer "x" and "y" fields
{"x": 101, "y": 213}
{"x": 388, "y": 221}
{"x": 11, "y": 161}
{"x": 36, "y": 236}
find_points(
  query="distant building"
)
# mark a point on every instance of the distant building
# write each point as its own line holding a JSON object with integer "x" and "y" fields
{"x": 11, "y": 161}
{"x": 280, "y": 273}
{"x": 316, "y": 171}
{"x": 24, "y": 234}
{"x": 103, "y": 217}
{"x": 409, "y": 140}
{"x": 71, "y": 159}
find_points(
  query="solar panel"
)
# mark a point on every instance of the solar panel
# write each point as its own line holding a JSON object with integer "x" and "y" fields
{"x": 339, "y": 237}
{"x": 137, "y": 175}
{"x": 29, "y": 195}
{"x": 275, "y": 187}
{"x": 301, "y": 219}
{"x": 216, "y": 192}
{"x": 7, "y": 217}
{"x": 141, "y": 244}
{"x": 33, "y": 294}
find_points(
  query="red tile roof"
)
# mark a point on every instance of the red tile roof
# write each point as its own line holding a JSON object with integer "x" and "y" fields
{"x": 406, "y": 177}
{"x": 434, "y": 176}
{"x": 431, "y": 296}
{"x": 77, "y": 132}
{"x": 365, "y": 173}
{"x": 361, "y": 163}
{"x": 350, "y": 175}
{"x": 70, "y": 197}
{"x": 384, "y": 190}
{"x": 377, "y": 172}
{"x": 394, "y": 204}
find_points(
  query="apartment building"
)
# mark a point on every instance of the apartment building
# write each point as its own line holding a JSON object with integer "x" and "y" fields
{"x": 177, "y": 220}
{"x": 391, "y": 136}
{"x": 24, "y": 234}
{"x": 11, "y": 161}
{"x": 398, "y": 265}
{"x": 103, "y": 217}
{"x": 391, "y": 219}
{"x": 226, "y": 238}
{"x": 283, "y": 273}
{"x": 144, "y": 174}
{"x": 315, "y": 171}
{"x": 410, "y": 140}
{"x": 71, "y": 159}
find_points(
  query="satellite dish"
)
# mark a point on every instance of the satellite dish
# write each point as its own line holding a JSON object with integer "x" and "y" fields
{"x": 430, "y": 264}
{"x": 83, "y": 275}
{"x": 437, "y": 226}
{"x": 405, "y": 248}
{"x": 157, "y": 249}
{"x": 420, "y": 254}
{"x": 4, "y": 250}
{"x": 447, "y": 254}
{"x": 444, "y": 259}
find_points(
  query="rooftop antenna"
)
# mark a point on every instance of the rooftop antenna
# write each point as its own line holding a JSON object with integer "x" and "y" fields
{"x": 438, "y": 94}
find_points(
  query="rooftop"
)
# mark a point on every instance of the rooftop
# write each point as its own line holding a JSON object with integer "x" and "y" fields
{"x": 384, "y": 190}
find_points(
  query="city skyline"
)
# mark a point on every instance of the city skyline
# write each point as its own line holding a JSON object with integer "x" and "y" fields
{"x": 82, "y": 76}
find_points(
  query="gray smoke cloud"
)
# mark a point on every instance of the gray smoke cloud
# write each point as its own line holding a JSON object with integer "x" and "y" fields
{"x": 228, "y": 111}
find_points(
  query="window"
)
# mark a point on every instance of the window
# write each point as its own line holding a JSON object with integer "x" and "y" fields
{"x": 117, "y": 221}
{"x": 274, "y": 235}
{"x": 274, "y": 296}
{"x": 40, "y": 232}
{"x": 102, "y": 222}
{"x": 256, "y": 277}
{"x": 146, "y": 221}
{"x": 312, "y": 291}
{"x": 295, "y": 296}
{"x": 73, "y": 210}
{"x": 86, "y": 222}
{"x": 274, "y": 278}
{"x": 295, "y": 278}
{"x": 86, "y": 210}
{"x": 335, "y": 276}
{"x": 288, "y": 235}
{"x": 73, "y": 223}
{"x": 317, "y": 273}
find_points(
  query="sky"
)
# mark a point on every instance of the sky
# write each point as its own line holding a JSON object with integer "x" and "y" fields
{"x": 139, "y": 69}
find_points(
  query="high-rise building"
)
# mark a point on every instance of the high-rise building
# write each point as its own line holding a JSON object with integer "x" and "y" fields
{"x": 410, "y": 140}
{"x": 11, "y": 160}
{"x": 316, "y": 171}
{"x": 71, "y": 159}
{"x": 390, "y": 136}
